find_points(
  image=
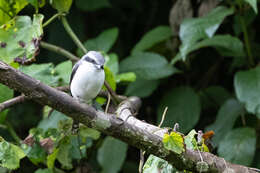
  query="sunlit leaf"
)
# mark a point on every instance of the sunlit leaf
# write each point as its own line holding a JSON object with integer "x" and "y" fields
{"x": 51, "y": 158}
{"x": 19, "y": 38}
{"x": 247, "y": 89}
{"x": 111, "y": 155}
{"x": 110, "y": 78}
{"x": 126, "y": 77}
{"x": 10, "y": 155}
{"x": 46, "y": 170}
{"x": 226, "y": 117}
{"x": 239, "y": 146}
{"x": 9, "y": 9}
{"x": 183, "y": 108}
{"x": 151, "y": 38}
{"x": 174, "y": 142}
{"x": 190, "y": 140}
{"x": 111, "y": 61}
{"x": 148, "y": 66}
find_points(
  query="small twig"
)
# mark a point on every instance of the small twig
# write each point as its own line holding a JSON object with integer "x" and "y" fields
{"x": 12, "y": 132}
{"x": 59, "y": 50}
{"x": 55, "y": 16}
{"x": 11, "y": 102}
{"x": 108, "y": 102}
{"x": 115, "y": 97}
{"x": 243, "y": 120}
{"x": 141, "y": 162}
{"x": 72, "y": 34}
{"x": 163, "y": 116}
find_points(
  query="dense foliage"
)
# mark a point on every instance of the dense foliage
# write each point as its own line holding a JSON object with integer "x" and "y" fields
{"x": 203, "y": 66}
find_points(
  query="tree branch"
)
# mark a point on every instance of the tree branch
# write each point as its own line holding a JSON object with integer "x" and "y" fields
{"x": 122, "y": 125}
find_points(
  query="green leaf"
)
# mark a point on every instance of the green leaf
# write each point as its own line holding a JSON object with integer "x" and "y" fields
{"x": 225, "y": 44}
{"x": 46, "y": 170}
{"x": 110, "y": 78}
{"x": 174, "y": 142}
{"x": 193, "y": 30}
{"x": 36, "y": 154}
{"x": 111, "y": 155}
{"x": 64, "y": 70}
{"x": 142, "y": 88}
{"x": 238, "y": 146}
{"x": 214, "y": 96}
{"x": 92, "y": 5}
{"x": 52, "y": 121}
{"x": 126, "y": 77}
{"x": 37, "y": 3}
{"x": 42, "y": 72}
{"x": 190, "y": 140}
{"x": 247, "y": 87}
{"x": 61, "y": 5}
{"x": 20, "y": 38}
{"x": 253, "y": 4}
{"x": 51, "y": 158}
{"x": 103, "y": 42}
{"x": 9, "y": 9}
{"x": 148, "y": 66}
{"x": 226, "y": 118}
{"x": 111, "y": 61}
{"x": 10, "y": 155}
{"x": 63, "y": 155}
{"x": 151, "y": 38}
{"x": 183, "y": 108}
{"x": 89, "y": 132}
{"x": 5, "y": 95}
{"x": 153, "y": 164}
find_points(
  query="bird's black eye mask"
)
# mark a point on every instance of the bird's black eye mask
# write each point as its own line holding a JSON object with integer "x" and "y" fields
{"x": 88, "y": 59}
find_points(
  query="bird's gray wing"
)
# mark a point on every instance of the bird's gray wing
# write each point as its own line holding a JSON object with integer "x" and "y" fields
{"x": 74, "y": 69}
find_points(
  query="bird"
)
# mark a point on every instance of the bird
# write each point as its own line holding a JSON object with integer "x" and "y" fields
{"x": 87, "y": 77}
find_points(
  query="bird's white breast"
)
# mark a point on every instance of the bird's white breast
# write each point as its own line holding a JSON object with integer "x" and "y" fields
{"x": 87, "y": 82}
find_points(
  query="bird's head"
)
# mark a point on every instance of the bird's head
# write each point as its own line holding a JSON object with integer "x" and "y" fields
{"x": 95, "y": 58}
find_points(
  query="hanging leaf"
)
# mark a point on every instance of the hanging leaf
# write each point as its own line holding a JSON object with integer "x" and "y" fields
{"x": 226, "y": 117}
{"x": 20, "y": 37}
{"x": 247, "y": 89}
{"x": 174, "y": 142}
{"x": 111, "y": 155}
{"x": 183, "y": 108}
{"x": 193, "y": 30}
{"x": 148, "y": 66}
{"x": 238, "y": 146}
{"x": 151, "y": 38}
{"x": 190, "y": 140}
{"x": 61, "y": 5}
{"x": 253, "y": 4}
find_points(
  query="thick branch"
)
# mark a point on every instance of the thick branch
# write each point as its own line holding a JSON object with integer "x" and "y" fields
{"x": 122, "y": 125}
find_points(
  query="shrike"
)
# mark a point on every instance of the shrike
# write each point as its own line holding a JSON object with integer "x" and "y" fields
{"x": 87, "y": 77}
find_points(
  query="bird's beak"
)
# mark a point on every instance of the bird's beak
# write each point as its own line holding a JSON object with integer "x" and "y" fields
{"x": 101, "y": 67}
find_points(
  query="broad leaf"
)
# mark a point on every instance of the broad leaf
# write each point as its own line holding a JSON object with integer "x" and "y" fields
{"x": 225, "y": 44}
{"x": 64, "y": 70}
{"x": 226, "y": 118}
{"x": 10, "y": 155}
{"x": 9, "y": 9}
{"x": 92, "y": 5}
{"x": 5, "y": 95}
{"x": 253, "y": 4}
{"x": 51, "y": 158}
{"x": 193, "y": 30}
{"x": 63, "y": 156}
{"x": 151, "y": 38}
{"x": 174, "y": 142}
{"x": 20, "y": 38}
{"x": 89, "y": 132}
{"x": 190, "y": 140}
{"x": 46, "y": 170}
{"x": 247, "y": 87}
{"x": 111, "y": 61}
{"x": 141, "y": 88}
{"x": 183, "y": 108}
{"x": 126, "y": 77}
{"x": 61, "y": 5}
{"x": 148, "y": 66}
{"x": 103, "y": 42}
{"x": 154, "y": 164}
{"x": 110, "y": 78}
{"x": 111, "y": 155}
{"x": 238, "y": 146}
{"x": 42, "y": 72}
